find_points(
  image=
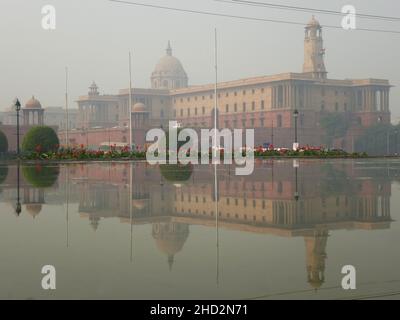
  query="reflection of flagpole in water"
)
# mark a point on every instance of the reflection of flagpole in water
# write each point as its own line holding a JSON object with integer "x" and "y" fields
{"x": 67, "y": 200}
{"x": 215, "y": 158}
{"x": 130, "y": 209}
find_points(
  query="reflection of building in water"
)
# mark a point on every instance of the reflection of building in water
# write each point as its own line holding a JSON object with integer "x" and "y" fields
{"x": 315, "y": 257}
{"x": 31, "y": 189}
{"x": 342, "y": 195}
{"x": 170, "y": 238}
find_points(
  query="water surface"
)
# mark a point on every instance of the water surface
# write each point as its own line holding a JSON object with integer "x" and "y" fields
{"x": 135, "y": 231}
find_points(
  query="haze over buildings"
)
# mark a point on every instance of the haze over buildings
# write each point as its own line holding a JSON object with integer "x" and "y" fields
{"x": 93, "y": 37}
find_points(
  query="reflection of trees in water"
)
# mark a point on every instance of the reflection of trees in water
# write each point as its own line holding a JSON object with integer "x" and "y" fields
{"x": 176, "y": 172}
{"x": 41, "y": 176}
{"x": 3, "y": 174}
{"x": 335, "y": 181}
{"x": 170, "y": 238}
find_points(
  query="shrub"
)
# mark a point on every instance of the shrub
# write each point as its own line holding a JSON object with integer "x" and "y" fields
{"x": 3, "y": 142}
{"x": 40, "y": 139}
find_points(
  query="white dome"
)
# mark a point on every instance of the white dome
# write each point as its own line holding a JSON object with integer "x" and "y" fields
{"x": 169, "y": 72}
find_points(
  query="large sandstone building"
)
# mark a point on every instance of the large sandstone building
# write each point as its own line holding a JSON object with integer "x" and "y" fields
{"x": 265, "y": 103}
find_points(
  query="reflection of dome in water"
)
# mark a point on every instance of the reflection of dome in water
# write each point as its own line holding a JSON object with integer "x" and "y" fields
{"x": 170, "y": 238}
{"x": 94, "y": 222}
{"x": 139, "y": 203}
{"x": 139, "y": 107}
{"x": 34, "y": 209}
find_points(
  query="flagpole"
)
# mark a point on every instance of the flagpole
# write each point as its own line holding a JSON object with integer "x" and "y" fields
{"x": 215, "y": 156}
{"x": 130, "y": 101}
{"x": 66, "y": 109}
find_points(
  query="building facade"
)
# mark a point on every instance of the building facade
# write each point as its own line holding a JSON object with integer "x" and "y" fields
{"x": 265, "y": 103}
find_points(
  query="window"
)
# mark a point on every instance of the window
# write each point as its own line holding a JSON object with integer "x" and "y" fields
{"x": 227, "y": 108}
{"x": 336, "y": 107}
{"x": 211, "y": 96}
{"x": 203, "y": 110}
{"x": 235, "y": 107}
{"x": 235, "y": 93}
{"x": 262, "y": 122}
{"x": 244, "y": 123}
{"x": 181, "y": 112}
{"x": 227, "y": 94}
{"x": 195, "y": 111}
{"x": 188, "y": 99}
{"x": 345, "y": 107}
{"x": 262, "y": 105}
{"x": 226, "y": 124}
{"x": 162, "y": 113}
{"x": 252, "y": 122}
{"x": 253, "y": 91}
{"x": 244, "y": 92}
{"x": 244, "y": 106}
{"x": 253, "y": 106}
{"x": 188, "y": 111}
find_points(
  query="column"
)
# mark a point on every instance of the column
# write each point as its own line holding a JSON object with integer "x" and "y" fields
{"x": 387, "y": 100}
{"x": 272, "y": 97}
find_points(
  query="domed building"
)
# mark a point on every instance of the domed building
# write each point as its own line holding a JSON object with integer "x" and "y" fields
{"x": 33, "y": 112}
{"x": 169, "y": 73}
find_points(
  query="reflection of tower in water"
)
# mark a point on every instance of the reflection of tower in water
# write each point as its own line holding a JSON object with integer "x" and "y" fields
{"x": 315, "y": 257}
{"x": 170, "y": 238}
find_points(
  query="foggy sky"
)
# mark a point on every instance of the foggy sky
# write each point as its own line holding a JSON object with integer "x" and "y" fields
{"x": 93, "y": 38}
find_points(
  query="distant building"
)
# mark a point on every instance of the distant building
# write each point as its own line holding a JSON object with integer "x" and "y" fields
{"x": 56, "y": 116}
{"x": 264, "y": 103}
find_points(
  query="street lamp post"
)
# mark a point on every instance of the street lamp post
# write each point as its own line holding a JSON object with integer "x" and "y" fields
{"x": 18, "y": 109}
{"x": 295, "y": 115}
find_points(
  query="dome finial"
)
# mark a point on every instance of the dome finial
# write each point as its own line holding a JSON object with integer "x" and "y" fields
{"x": 169, "y": 49}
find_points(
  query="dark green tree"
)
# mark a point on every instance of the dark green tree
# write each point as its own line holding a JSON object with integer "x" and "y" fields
{"x": 40, "y": 139}
{"x": 3, "y": 142}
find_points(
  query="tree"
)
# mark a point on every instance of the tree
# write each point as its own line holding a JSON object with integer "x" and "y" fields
{"x": 379, "y": 140}
{"x": 335, "y": 126}
{"x": 3, "y": 142}
{"x": 40, "y": 139}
